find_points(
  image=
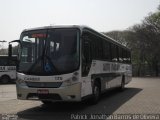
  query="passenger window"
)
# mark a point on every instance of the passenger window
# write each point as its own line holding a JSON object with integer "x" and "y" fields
{"x": 114, "y": 53}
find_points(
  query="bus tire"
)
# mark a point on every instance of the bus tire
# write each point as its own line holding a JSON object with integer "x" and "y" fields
{"x": 5, "y": 79}
{"x": 45, "y": 102}
{"x": 122, "y": 87}
{"x": 96, "y": 93}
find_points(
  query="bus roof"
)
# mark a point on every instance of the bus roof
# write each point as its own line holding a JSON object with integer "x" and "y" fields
{"x": 82, "y": 28}
{"x": 57, "y": 26}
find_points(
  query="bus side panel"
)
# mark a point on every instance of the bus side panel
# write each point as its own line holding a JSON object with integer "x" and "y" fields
{"x": 8, "y": 71}
{"x": 86, "y": 88}
{"x": 109, "y": 73}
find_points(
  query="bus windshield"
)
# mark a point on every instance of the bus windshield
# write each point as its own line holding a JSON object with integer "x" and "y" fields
{"x": 49, "y": 52}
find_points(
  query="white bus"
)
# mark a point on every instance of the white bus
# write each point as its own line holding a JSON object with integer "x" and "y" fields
{"x": 7, "y": 68}
{"x": 70, "y": 63}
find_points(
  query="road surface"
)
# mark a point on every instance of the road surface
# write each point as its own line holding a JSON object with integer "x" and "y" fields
{"x": 141, "y": 96}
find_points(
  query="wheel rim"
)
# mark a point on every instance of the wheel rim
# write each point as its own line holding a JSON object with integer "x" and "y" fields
{"x": 96, "y": 92}
{"x": 122, "y": 84}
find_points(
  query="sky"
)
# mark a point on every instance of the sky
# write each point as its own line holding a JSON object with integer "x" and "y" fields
{"x": 101, "y": 15}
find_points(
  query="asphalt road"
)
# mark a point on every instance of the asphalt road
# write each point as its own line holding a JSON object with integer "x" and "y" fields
{"x": 141, "y": 96}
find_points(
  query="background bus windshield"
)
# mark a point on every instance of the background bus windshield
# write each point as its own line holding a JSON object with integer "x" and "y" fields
{"x": 49, "y": 52}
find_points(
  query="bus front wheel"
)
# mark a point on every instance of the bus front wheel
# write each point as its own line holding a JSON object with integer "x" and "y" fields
{"x": 122, "y": 87}
{"x": 4, "y": 79}
{"x": 47, "y": 102}
{"x": 96, "y": 93}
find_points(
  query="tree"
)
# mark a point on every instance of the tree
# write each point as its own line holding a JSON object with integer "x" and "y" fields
{"x": 144, "y": 41}
{"x": 119, "y": 36}
{"x": 152, "y": 30}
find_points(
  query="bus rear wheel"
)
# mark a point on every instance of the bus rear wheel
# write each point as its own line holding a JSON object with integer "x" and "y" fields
{"x": 122, "y": 87}
{"x": 4, "y": 79}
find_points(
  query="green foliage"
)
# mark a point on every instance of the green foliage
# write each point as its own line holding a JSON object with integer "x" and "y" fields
{"x": 144, "y": 41}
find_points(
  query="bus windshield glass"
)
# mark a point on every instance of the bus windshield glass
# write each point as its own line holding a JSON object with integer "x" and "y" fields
{"x": 49, "y": 52}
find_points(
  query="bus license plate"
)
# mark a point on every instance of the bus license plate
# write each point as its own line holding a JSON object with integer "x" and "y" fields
{"x": 42, "y": 91}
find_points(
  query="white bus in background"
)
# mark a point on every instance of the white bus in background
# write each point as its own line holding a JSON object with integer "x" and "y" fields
{"x": 7, "y": 69}
{"x": 70, "y": 63}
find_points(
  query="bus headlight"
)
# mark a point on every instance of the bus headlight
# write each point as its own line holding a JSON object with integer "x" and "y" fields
{"x": 67, "y": 83}
{"x": 21, "y": 82}
{"x": 70, "y": 81}
{"x": 74, "y": 79}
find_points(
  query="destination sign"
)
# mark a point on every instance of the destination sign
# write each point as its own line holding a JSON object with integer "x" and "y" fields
{"x": 39, "y": 35}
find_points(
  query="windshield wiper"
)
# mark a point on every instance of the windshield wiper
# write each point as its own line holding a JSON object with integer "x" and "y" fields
{"x": 45, "y": 65}
{"x": 50, "y": 63}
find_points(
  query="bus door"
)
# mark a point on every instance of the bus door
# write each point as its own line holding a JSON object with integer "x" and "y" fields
{"x": 86, "y": 65}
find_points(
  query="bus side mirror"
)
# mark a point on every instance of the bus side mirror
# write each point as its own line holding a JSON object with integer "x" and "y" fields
{"x": 10, "y": 50}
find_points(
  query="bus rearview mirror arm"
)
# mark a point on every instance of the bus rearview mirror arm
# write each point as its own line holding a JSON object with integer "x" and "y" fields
{"x": 18, "y": 41}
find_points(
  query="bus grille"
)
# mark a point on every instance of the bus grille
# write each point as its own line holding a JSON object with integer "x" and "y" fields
{"x": 44, "y": 84}
{"x": 43, "y": 96}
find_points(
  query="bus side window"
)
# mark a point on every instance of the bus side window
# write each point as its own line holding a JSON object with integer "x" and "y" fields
{"x": 12, "y": 62}
{"x": 128, "y": 57}
{"x": 0, "y": 62}
{"x": 106, "y": 50}
{"x": 120, "y": 55}
{"x": 114, "y": 53}
{"x": 124, "y": 56}
{"x": 4, "y": 62}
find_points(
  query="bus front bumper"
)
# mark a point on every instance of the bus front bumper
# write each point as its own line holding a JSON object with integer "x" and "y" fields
{"x": 67, "y": 93}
